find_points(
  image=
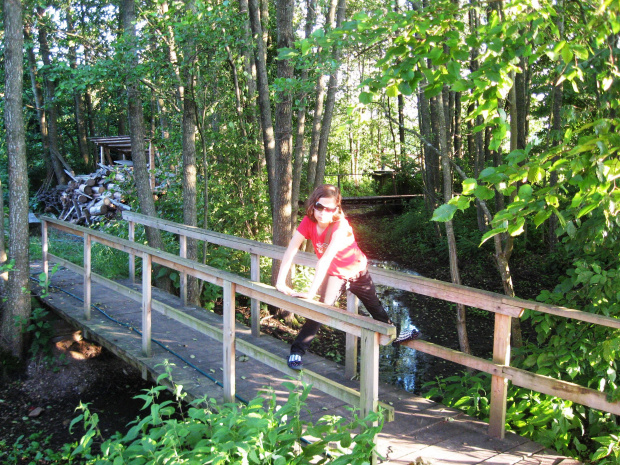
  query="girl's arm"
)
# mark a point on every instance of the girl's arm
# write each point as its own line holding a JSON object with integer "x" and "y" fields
{"x": 335, "y": 245}
{"x": 287, "y": 261}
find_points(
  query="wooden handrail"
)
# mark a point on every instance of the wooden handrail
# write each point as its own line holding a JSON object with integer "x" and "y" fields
{"x": 372, "y": 332}
{"x": 356, "y": 326}
{"x": 484, "y": 300}
{"x": 504, "y": 307}
{"x": 325, "y": 313}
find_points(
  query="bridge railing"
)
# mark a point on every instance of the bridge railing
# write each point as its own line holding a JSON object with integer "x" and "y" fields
{"x": 504, "y": 308}
{"x": 372, "y": 333}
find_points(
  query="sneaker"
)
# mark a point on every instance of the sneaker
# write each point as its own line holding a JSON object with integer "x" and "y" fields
{"x": 294, "y": 362}
{"x": 407, "y": 333}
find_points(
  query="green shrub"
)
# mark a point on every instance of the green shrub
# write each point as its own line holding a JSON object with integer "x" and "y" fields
{"x": 260, "y": 432}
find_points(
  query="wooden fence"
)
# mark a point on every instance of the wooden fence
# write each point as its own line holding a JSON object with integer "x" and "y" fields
{"x": 372, "y": 333}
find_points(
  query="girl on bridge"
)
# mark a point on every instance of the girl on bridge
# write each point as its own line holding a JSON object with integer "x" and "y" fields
{"x": 342, "y": 265}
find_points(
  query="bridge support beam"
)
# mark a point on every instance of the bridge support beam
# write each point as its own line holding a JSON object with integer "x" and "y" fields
{"x": 147, "y": 265}
{"x": 499, "y": 384}
{"x": 87, "y": 275}
{"x": 369, "y": 376}
{"x": 229, "y": 341}
{"x": 350, "y": 362}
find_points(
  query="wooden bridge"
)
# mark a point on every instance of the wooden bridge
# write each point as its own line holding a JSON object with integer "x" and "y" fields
{"x": 202, "y": 346}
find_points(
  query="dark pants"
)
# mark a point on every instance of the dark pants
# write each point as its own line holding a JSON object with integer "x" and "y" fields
{"x": 329, "y": 292}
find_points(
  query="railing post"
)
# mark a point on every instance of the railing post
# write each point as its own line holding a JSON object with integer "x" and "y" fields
{"x": 146, "y": 304}
{"x": 369, "y": 376}
{"x": 87, "y": 275}
{"x": 499, "y": 384}
{"x": 350, "y": 361}
{"x": 44, "y": 249}
{"x": 183, "y": 277}
{"x": 229, "y": 341}
{"x": 255, "y": 304}
{"x": 132, "y": 256}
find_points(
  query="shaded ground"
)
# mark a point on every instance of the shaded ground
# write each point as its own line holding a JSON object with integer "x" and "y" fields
{"x": 44, "y": 399}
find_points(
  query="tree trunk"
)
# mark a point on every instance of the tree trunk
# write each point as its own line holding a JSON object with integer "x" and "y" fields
{"x": 136, "y": 131}
{"x": 401, "y": 126}
{"x": 557, "y": 97}
{"x": 18, "y": 295}
{"x": 4, "y": 277}
{"x": 444, "y": 148}
{"x": 319, "y": 110}
{"x": 429, "y": 157}
{"x": 281, "y": 203}
{"x": 78, "y": 101}
{"x": 190, "y": 209}
{"x": 298, "y": 155}
{"x": 264, "y": 103}
{"x": 52, "y": 109}
{"x": 330, "y": 103}
{"x": 39, "y": 103}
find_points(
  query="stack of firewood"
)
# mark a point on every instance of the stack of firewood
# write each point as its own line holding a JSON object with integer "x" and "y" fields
{"x": 93, "y": 197}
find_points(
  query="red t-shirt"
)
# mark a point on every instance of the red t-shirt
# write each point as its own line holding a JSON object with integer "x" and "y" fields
{"x": 348, "y": 261}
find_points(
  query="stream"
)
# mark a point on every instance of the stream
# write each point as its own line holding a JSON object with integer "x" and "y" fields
{"x": 398, "y": 365}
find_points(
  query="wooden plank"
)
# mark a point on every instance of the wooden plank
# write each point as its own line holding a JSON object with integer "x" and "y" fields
{"x": 369, "y": 377}
{"x": 484, "y": 300}
{"x": 563, "y": 389}
{"x": 335, "y": 317}
{"x": 229, "y": 341}
{"x": 44, "y": 249}
{"x": 183, "y": 279}
{"x": 339, "y": 391}
{"x": 369, "y": 373}
{"x": 255, "y": 303}
{"x": 87, "y": 275}
{"x": 132, "y": 256}
{"x": 350, "y": 361}
{"x": 499, "y": 384}
{"x": 147, "y": 350}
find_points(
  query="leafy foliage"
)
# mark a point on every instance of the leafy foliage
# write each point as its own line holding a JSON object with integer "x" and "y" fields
{"x": 260, "y": 432}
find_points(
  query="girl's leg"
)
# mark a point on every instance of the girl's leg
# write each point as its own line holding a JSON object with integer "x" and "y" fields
{"x": 364, "y": 288}
{"x": 329, "y": 292}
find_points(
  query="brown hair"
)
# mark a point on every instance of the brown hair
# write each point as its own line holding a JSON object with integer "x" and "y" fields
{"x": 324, "y": 191}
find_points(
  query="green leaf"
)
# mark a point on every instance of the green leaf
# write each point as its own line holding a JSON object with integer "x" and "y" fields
{"x": 525, "y": 191}
{"x": 444, "y": 213}
{"x": 404, "y": 88}
{"x": 366, "y": 97}
{"x": 392, "y": 91}
{"x": 469, "y": 185}
{"x": 517, "y": 228}
{"x": 587, "y": 209}
{"x": 491, "y": 233}
{"x": 484, "y": 193}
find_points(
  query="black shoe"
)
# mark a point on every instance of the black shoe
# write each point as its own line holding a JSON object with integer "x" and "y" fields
{"x": 294, "y": 362}
{"x": 407, "y": 333}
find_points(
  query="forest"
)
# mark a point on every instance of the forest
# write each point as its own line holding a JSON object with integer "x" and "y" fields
{"x": 500, "y": 114}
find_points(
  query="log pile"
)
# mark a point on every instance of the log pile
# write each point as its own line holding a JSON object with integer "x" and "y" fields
{"x": 90, "y": 198}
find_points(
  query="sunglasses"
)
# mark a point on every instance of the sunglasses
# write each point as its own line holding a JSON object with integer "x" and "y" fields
{"x": 320, "y": 207}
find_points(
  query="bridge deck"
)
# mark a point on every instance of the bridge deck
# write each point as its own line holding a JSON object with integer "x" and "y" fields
{"x": 422, "y": 432}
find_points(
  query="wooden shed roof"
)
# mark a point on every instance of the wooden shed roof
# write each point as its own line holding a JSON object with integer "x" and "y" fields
{"x": 117, "y": 143}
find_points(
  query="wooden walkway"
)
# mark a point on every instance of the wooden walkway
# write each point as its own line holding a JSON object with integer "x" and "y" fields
{"x": 423, "y": 432}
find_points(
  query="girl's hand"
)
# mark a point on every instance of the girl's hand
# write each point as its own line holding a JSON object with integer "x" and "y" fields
{"x": 304, "y": 295}
{"x": 284, "y": 289}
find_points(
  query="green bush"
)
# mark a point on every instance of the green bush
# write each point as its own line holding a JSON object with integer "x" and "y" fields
{"x": 260, "y": 432}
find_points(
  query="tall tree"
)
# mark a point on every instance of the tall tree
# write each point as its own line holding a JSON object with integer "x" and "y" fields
{"x": 136, "y": 129}
{"x": 57, "y": 158}
{"x": 190, "y": 210}
{"x": 18, "y": 301}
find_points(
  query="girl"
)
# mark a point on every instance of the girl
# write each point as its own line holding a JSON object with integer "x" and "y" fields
{"x": 341, "y": 264}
